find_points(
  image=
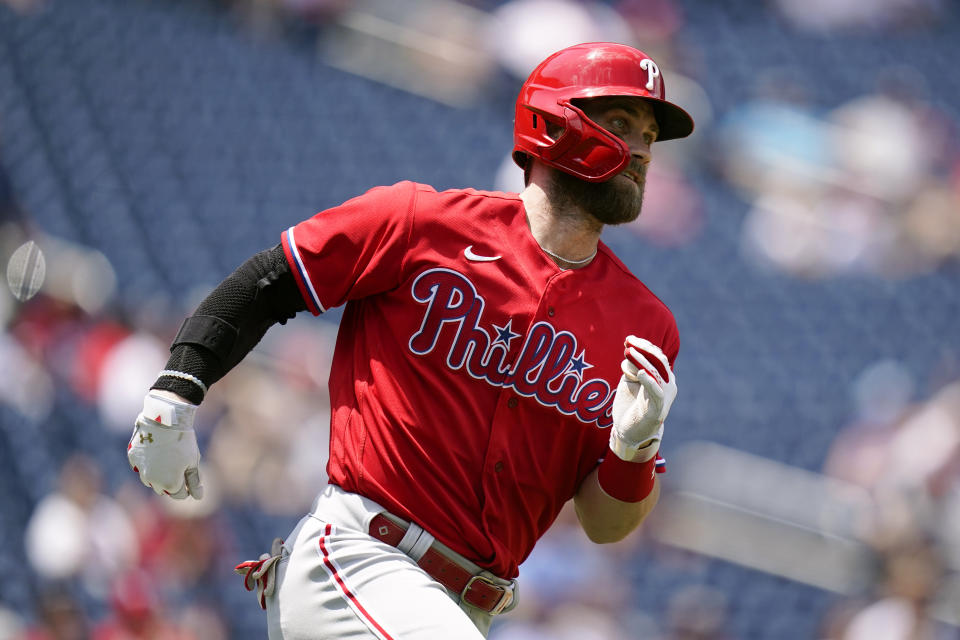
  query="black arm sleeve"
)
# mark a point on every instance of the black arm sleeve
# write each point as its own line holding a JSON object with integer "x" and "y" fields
{"x": 261, "y": 292}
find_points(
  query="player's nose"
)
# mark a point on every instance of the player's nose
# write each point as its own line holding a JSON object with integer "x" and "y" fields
{"x": 639, "y": 149}
{"x": 641, "y": 153}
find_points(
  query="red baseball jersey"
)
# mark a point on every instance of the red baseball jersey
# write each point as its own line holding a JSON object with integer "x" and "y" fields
{"x": 472, "y": 381}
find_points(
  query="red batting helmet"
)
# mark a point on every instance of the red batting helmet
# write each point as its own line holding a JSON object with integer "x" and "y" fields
{"x": 590, "y": 70}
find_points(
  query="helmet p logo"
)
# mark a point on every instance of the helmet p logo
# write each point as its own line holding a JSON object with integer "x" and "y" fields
{"x": 653, "y": 72}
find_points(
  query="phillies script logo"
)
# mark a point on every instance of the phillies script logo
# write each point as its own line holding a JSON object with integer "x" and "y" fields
{"x": 548, "y": 367}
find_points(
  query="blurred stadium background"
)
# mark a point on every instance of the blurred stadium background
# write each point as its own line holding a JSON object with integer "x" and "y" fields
{"x": 806, "y": 237}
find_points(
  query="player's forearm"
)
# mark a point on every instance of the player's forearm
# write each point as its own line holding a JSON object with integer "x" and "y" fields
{"x": 229, "y": 323}
{"x": 607, "y": 519}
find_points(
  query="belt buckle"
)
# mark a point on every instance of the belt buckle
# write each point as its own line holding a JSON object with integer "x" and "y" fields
{"x": 504, "y": 600}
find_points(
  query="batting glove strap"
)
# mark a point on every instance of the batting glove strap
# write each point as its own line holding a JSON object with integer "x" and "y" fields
{"x": 262, "y": 574}
{"x": 170, "y": 413}
{"x": 635, "y": 451}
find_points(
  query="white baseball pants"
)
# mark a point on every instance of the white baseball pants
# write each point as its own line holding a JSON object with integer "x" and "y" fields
{"x": 337, "y": 582}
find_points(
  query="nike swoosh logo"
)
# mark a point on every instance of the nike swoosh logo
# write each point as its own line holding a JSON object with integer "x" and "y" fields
{"x": 470, "y": 255}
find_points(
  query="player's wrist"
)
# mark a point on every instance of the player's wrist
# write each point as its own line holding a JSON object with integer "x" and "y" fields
{"x": 628, "y": 481}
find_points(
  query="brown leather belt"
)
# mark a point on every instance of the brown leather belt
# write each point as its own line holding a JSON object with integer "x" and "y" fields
{"x": 477, "y": 590}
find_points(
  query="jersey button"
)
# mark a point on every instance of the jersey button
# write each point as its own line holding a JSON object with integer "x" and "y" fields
{"x": 551, "y": 311}
{"x": 498, "y": 467}
{"x": 513, "y": 402}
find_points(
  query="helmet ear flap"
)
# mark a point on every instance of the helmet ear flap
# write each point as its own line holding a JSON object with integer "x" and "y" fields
{"x": 543, "y": 134}
{"x": 553, "y": 129}
{"x": 568, "y": 140}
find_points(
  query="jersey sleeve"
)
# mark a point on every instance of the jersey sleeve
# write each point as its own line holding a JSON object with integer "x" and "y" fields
{"x": 353, "y": 250}
{"x": 671, "y": 344}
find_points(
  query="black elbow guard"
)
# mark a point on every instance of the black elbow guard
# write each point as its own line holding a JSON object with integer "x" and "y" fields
{"x": 210, "y": 332}
{"x": 231, "y": 321}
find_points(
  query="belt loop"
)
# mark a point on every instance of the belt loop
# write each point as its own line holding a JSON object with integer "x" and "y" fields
{"x": 420, "y": 546}
{"x": 409, "y": 538}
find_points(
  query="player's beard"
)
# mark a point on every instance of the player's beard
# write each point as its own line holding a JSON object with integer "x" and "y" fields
{"x": 615, "y": 201}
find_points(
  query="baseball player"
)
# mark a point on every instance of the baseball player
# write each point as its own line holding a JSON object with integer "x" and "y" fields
{"x": 494, "y": 361}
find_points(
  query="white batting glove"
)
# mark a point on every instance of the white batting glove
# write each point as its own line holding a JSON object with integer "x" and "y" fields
{"x": 163, "y": 448}
{"x": 642, "y": 402}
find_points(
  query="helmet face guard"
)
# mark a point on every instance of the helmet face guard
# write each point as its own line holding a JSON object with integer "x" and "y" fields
{"x": 584, "y": 149}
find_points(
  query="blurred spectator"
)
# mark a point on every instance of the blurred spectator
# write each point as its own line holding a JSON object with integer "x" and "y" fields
{"x": 59, "y": 617}
{"x": 878, "y": 451}
{"x": 23, "y": 6}
{"x": 566, "y": 568}
{"x": 570, "y": 622}
{"x": 777, "y": 151}
{"x": 182, "y": 545}
{"x": 672, "y": 209}
{"x": 860, "y": 190}
{"x": 698, "y": 612}
{"x": 101, "y": 542}
{"x": 175, "y": 590}
{"x": 654, "y": 23}
{"x": 138, "y": 614}
{"x": 11, "y": 624}
{"x": 818, "y": 234}
{"x": 524, "y": 32}
{"x": 260, "y": 432}
{"x": 274, "y": 427}
{"x": 883, "y": 142}
{"x": 25, "y": 384}
{"x": 908, "y": 455}
{"x": 931, "y": 226}
{"x": 773, "y": 141}
{"x": 572, "y": 589}
{"x": 133, "y": 359}
{"x": 833, "y": 15}
{"x": 910, "y": 577}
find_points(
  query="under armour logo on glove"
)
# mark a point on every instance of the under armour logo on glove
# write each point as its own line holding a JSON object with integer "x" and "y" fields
{"x": 149, "y": 438}
{"x": 262, "y": 572}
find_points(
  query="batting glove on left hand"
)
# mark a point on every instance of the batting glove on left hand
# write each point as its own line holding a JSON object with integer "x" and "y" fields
{"x": 643, "y": 400}
{"x": 163, "y": 448}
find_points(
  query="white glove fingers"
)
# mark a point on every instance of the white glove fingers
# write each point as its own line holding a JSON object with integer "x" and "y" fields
{"x": 650, "y": 349}
{"x": 654, "y": 391}
{"x": 179, "y": 495}
{"x": 640, "y": 361}
{"x": 192, "y": 483}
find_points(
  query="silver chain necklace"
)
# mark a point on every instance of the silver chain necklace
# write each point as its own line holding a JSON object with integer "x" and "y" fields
{"x": 568, "y": 261}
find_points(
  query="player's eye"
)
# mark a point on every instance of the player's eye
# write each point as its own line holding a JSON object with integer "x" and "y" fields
{"x": 620, "y": 124}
